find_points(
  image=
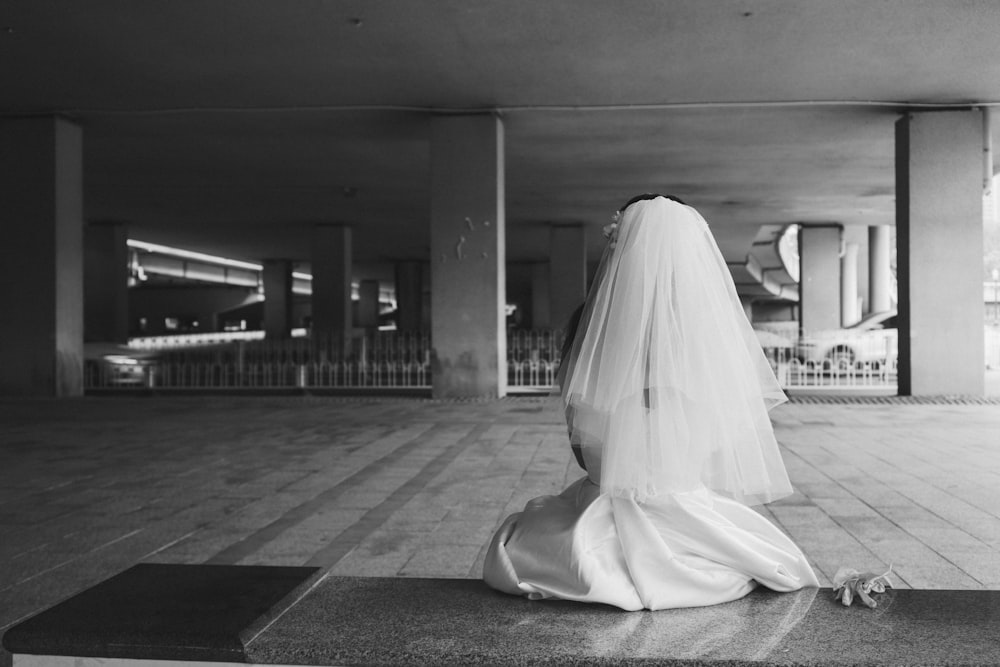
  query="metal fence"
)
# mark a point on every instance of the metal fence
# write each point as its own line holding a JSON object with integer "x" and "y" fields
{"x": 533, "y": 359}
{"x": 394, "y": 360}
{"x": 833, "y": 359}
{"x": 386, "y": 360}
{"x": 827, "y": 374}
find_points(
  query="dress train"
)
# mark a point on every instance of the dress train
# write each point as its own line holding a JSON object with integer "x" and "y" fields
{"x": 687, "y": 549}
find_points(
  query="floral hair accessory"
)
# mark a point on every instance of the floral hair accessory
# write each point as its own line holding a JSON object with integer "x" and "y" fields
{"x": 611, "y": 231}
{"x": 848, "y": 582}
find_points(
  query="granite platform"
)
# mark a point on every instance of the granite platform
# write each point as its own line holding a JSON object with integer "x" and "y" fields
{"x": 159, "y": 614}
{"x": 149, "y": 612}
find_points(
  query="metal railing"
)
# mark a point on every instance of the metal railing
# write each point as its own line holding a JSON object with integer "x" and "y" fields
{"x": 533, "y": 359}
{"x": 395, "y": 360}
{"x": 532, "y": 376}
{"x": 318, "y": 375}
{"x": 833, "y": 359}
{"x": 797, "y": 374}
{"x": 385, "y": 360}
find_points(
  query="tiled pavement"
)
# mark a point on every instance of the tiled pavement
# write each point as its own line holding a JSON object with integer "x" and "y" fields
{"x": 408, "y": 487}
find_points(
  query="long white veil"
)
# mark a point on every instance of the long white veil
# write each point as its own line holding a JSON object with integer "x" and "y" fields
{"x": 666, "y": 371}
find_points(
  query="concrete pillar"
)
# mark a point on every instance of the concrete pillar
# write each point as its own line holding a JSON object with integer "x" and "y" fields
{"x": 368, "y": 305}
{"x": 105, "y": 282}
{"x": 409, "y": 296}
{"x": 468, "y": 299}
{"x": 849, "y": 311}
{"x": 879, "y": 269}
{"x": 41, "y": 257}
{"x": 939, "y": 236}
{"x": 819, "y": 277}
{"x": 541, "y": 311}
{"x": 858, "y": 234}
{"x": 277, "y": 298}
{"x": 568, "y": 273}
{"x": 331, "y": 284}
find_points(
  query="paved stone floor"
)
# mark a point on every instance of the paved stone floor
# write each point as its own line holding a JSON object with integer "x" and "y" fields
{"x": 409, "y": 487}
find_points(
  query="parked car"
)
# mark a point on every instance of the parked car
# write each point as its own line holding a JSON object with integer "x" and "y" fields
{"x": 873, "y": 339}
{"x": 115, "y": 365}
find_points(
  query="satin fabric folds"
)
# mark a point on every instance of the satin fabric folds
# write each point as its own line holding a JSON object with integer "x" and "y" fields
{"x": 688, "y": 549}
{"x": 666, "y": 391}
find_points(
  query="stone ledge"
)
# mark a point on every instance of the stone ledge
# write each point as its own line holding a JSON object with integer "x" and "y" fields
{"x": 170, "y": 612}
{"x": 262, "y": 615}
{"x": 844, "y": 397}
{"x": 458, "y": 622}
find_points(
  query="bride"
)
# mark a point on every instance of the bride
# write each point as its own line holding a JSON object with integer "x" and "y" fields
{"x": 666, "y": 393}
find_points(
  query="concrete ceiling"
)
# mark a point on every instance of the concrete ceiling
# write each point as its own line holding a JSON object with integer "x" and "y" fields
{"x": 232, "y": 126}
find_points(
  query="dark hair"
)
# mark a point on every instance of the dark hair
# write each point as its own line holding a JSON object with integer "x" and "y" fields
{"x": 648, "y": 195}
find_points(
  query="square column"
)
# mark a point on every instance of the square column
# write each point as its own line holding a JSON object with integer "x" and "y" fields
{"x": 331, "y": 285}
{"x": 541, "y": 310}
{"x": 41, "y": 258}
{"x": 105, "y": 282}
{"x": 850, "y": 313}
{"x": 939, "y": 236}
{"x": 409, "y": 296}
{"x": 468, "y": 290}
{"x": 568, "y": 268}
{"x": 879, "y": 269}
{"x": 819, "y": 277}
{"x": 277, "y": 298}
{"x": 858, "y": 235}
{"x": 368, "y": 305}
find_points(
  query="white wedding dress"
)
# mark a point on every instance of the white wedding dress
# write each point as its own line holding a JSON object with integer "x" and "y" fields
{"x": 667, "y": 393}
{"x": 687, "y": 549}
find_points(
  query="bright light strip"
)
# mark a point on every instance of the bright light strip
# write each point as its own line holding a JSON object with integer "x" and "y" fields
{"x": 208, "y": 259}
{"x": 188, "y": 254}
{"x": 207, "y": 338}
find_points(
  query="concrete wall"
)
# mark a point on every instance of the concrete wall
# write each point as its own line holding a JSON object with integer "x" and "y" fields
{"x": 106, "y": 283}
{"x": 567, "y": 272}
{"x": 858, "y": 235}
{"x": 819, "y": 285}
{"x": 939, "y": 228}
{"x": 41, "y": 257}
{"x": 468, "y": 257}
